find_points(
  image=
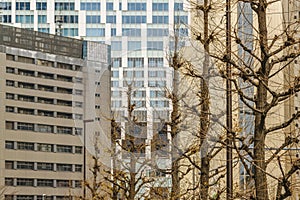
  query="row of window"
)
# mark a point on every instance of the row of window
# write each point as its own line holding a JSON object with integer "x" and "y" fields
{"x": 139, "y": 103}
{"x": 59, "y": 77}
{"x": 47, "y": 63}
{"x": 46, "y": 113}
{"x": 28, "y": 98}
{"x": 60, "y": 167}
{"x": 42, "y": 182}
{"x": 137, "y": 94}
{"x": 137, "y": 45}
{"x": 46, "y": 88}
{"x": 43, "y": 128}
{"x": 30, "y": 146}
{"x": 134, "y": 83}
{"x": 93, "y": 6}
{"x": 138, "y": 62}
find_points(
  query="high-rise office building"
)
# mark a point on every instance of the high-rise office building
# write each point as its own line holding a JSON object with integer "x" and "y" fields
{"x": 49, "y": 85}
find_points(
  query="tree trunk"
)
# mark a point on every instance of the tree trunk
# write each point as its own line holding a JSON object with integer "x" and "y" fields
{"x": 260, "y": 177}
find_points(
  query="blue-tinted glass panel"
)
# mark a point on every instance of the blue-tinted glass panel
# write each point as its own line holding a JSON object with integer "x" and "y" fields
{"x": 70, "y": 32}
{"x": 109, "y": 6}
{"x": 95, "y": 32}
{"x": 22, "y": 5}
{"x": 116, "y": 46}
{"x": 67, "y": 18}
{"x": 64, "y": 6}
{"x": 41, "y": 5}
{"x": 180, "y": 19}
{"x": 24, "y": 19}
{"x": 155, "y": 45}
{"x": 157, "y": 32}
{"x": 178, "y": 6}
{"x": 44, "y": 30}
{"x": 5, "y": 5}
{"x": 160, "y": 7}
{"x": 113, "y": 32}
{"x": 93, "y": 19}
{"x": 137, "y": 6}
{"x": 132, "y": 32}
{"x": 42, "y": 19}
{"x": 133, "y": 19}
{"x": 160, "y": 19}
{"x": 90, "y": 6}
{"x": 111, "y": 19}
{"x": 134, "y": 45}
{"x": 6, "y": 18}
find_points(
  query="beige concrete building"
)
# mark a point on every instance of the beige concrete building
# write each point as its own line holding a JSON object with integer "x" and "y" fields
{"x": 49, "y": 85}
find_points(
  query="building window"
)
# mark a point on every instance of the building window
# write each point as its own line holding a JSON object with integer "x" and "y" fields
{"x": 25, "y": 126}
{"x": 134, "y": 19}
{"x": 64, "y": 130}
{"x": 155, "y": 62}
{"x": 45, "y": 113}
{"x": 26, "y": 85}
{"x": 93, "y": 19}
{"x": 44, "y": 128}
{"x": 157, "y": 74}
{"x": 160, "y": 6}
{"x": 9, "y": 125}
{"x": 42, "y": 19}
{"x": 90, "y": 6}
{"x": 116, "y": 62}
{"x": 137, "y": 6}
{"x": 9, "y": 109}
{"x": 78, "y": 104}
{"x": 22, "y": 5}
{"x": 10, "y": 83}
{"x": 77, "y": 184}
{"x": 45, "y": 147}
{"x": 45, "y": 166}
{"x": 109, "y": 6}
{"x": 97, "y": 106}
{"x": 24, "y": 19}
{"x": 116, "y": 46}
{"x": 9, "y": 164}
{"x": 134, "y": 45}
{"x": 41, "y": 5}
{"x": 64, "y": 102}
{"x": 111, "y": 19}
{"x": 26, "y": 98}
{"x": 113, "y": 32}
{"x": 10, "y": 70}
{"x": 155, "y": 45}
{"x": 178, "y": 6}
{"x": 70, "y": 31}
{"x": 180, "y": 19}
{"x": 157, "y": 32}
{"x": 64, "y": 78}
{"x": 115, "y": 74}
{"x": 135, "y": 62}
{"x": 25, "y": 165}
{"x": 78, "y": 92}
{"x": 10, "y": 96}
{"x": 63, "y": 183}
{"x": 64, "y": 90}
{"x": 78, "y": 116}
{"x": 44, "y": 182}
{"x": 5, "y": 5}
{"x": 78, "y": 131}
{"x": 25, "y": 146}
{"x": 26, "y": 111}
{"x": 115, "y": 83}
{"x": 64, "y": 115}
{"x": 64, "y": 6}
{"x": 95, "y": 32}
{"x": 9, "y": 145}
{"x": 160, "y": 19}
{"x": 6, "y": 18}
{"x": 78, "y": 168}
{"x": 24, "y": 182}
{"x": 64, "y": 149}
{"x": 78, "y": 80}
{"x": 9, "y": 181}
{"x": 78, "y": 149}
{"x": 97, "y": 94}
{"x": 131, "y": 32}
{"x": 64, "y": 167}
{"x": 45, "y": 100}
